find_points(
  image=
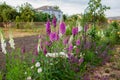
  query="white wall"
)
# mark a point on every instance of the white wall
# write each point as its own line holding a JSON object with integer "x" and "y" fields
{"x": 57, "y": 14}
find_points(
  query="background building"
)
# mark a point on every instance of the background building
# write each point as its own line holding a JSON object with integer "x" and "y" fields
{"x": 51, "y": 10}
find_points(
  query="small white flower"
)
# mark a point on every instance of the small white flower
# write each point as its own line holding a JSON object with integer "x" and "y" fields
{"x": 32, "y": 67}
{"x": 37, "y": 64}
{"x": 29, "y": 78}
{"x": 74, "y": 47}
{"x": 39, "y": 70}
{"x": 70, "y": 40}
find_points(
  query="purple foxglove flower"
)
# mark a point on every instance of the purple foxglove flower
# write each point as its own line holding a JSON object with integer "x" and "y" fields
{"x": 85, "y": 28}
{"x": 75, "y": 30}
{"x": 77, "y": 51}
{"x": 45, "y": 51}
{"x": 78, "y": 42}
{"x": 36, "y": 52}
{"x": 23, "y": 50}
{"x": 81, "y": 60}
{"x": 62, "y": 28}
{"x": 54, "y": 21}
{"x": 70, "y": 47}
{"x": 33, "y": 60}
{"x": 48, "y": 29}
{"x": 57, "y": 37}
{"x": 65, "y": 41}
{"x": 53, "y": 36}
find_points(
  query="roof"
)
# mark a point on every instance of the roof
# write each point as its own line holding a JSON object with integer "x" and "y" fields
{"x": 50, "y": 8}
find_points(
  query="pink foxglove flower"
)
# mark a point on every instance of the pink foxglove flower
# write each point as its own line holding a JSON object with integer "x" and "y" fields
{"x": 62, "y": 28}
{"x": 75, "y": 30}
{"x": 54, "y": 36}
{"x": 78, "y": 42}
{"x": 48, "y": 29}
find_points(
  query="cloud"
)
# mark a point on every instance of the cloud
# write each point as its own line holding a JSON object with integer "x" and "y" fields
{"x": 69, "y": 6}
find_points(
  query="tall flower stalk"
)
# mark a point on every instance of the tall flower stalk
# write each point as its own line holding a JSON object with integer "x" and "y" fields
{"x": 3, "y": 44}
{"x": 11, "y": 40}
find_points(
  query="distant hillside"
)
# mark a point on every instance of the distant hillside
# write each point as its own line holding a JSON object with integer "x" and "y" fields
{"x": 114, "y": 18}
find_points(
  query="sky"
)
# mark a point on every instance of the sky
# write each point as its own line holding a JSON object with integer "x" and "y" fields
{"x": 69, "y": 7}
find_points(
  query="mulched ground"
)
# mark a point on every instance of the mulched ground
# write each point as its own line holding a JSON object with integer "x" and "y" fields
{"x": 28, "y": 42}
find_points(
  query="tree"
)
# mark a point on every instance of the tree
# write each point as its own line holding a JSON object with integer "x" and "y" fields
{"x": 7, "y": 13}
{"x": 94, "y": 12}
{"x": 41, "y": 17}
{"x": 56, "y": 7}
{"x": 26, "y": 12}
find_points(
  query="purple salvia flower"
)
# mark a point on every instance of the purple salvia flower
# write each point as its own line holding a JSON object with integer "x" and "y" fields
{"x": 78, "y": 42}
{"x": 48, "y": 29}
{"x": 62, "y": 28}
{"x": 54, "y": 21}
{"x": 75, "y": 30}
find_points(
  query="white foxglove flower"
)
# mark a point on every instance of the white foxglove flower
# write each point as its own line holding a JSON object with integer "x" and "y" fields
{"x": 11, "y": 41}
{"x": 37, "y": 64}
{"x": 39, "y": 70}
{"x": 70, "y": 40}
{"x": 29, "y": 78}
{"x": 3, "y": 44}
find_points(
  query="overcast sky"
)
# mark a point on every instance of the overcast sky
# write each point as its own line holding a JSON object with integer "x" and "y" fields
{"x": 69, "y": 6}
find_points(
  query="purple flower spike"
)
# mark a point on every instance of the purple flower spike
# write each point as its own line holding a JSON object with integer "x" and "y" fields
{"x": 81, "y": 60}
{"x": 23, "y": 50}
{"x": 45, "y": 51}
{"x": 53, "y": 36}
{"x": 85, "y": 28}
{"x": 54, "y": 21}
{"x": 62, "y": 28}
{"x": 48, "y": 29}
{"x": 33, "y": 60}
{"x": 75, "y": 30}
{"x": 70, "y": 47}
{"x": 36, "y": 52}
{"x": 78, "y": 42}
{"x": 65, "y": 41}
